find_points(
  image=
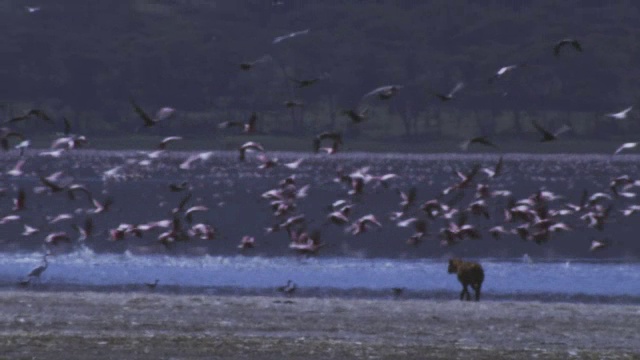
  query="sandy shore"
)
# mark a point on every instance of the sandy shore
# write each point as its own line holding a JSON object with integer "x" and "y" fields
{"x": 89, "y": 325}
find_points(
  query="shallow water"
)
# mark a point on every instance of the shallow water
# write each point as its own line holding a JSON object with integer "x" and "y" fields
{"x": 525, "y": 279}
{"x": 366, "y": 265}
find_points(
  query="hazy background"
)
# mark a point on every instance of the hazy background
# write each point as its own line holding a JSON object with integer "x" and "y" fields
{"x": 85, "y": 59}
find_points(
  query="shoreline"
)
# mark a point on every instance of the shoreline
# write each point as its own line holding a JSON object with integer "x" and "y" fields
{"x": 65, "y": 325}
{"x": 339, "y": 294}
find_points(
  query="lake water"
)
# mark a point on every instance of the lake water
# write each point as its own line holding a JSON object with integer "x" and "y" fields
{"x": 365, "y": 265}
{"x": 514, "y": 279}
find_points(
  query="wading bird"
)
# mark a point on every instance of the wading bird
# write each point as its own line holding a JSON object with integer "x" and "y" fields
{"x": 288, "y": 289}
{"x": 37, "y": 271}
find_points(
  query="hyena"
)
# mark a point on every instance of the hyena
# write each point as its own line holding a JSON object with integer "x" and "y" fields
{"x": 469, "y": 273}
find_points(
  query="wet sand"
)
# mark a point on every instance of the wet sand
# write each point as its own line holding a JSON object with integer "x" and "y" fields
{"x": 145, "y": 325}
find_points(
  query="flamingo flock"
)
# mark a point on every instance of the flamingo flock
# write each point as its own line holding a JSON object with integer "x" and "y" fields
{"x": 470, "y": 206}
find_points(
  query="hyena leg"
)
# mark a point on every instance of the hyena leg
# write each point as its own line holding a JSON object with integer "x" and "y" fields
{"x": 476, "y": 288}
{"x": 465, "y": 291}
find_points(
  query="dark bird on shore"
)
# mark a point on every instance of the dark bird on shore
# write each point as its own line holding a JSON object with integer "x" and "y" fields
{"x": 481, "y": 140}
{"x": 560, "y": 44}
{"x": 249, "y": 146}
{"x": 384, "y": 92}
{"x": 33, "y": 113}
{"x": 397, "y": 291}
{"x": 290, "y": 35}
{"x": 288, "y": 289}
{"x": 248, "y": 128}
{"x": 152, "y": 285}
{"x": 503, "y": 71}
{"x": 248, "y": 65}
{"x": 162, "y": 114}
{"x": 327, "y": 135}
{"x": 451, "y": 94}
{"x": 356, "y": 116}
{"x": 37, "y": 271}
{"x": 550, "y": 136}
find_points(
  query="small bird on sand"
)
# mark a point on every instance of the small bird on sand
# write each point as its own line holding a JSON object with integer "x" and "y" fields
{"x": 152, "y": 285}
{"x": 288, "y": 289}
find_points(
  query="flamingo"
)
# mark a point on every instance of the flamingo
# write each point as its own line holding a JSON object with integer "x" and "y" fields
{"x": 248, "y": 65}
{"x": 249, "y": 146}
{"x": 17, "y": 169}
{"x": 247, "y": 242}
{"x": 620, "y": 115}
{"x": 625, "y": 146}
{"x": 503, "y": 71}
{"x": 384, "y": 92}
{"x": 248, "y": 128}
{"x": 356, "y": 116}
{"x": 282, "y": 38}
{"x": 449, "y": 96}
{"x": 564, "y": 42}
